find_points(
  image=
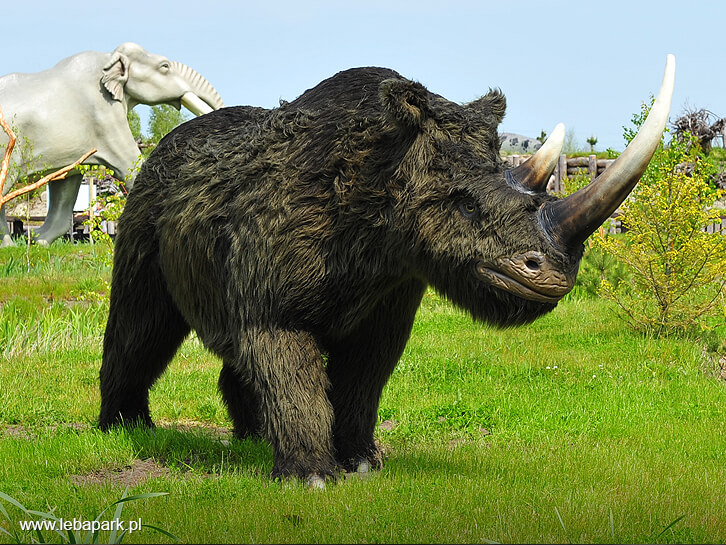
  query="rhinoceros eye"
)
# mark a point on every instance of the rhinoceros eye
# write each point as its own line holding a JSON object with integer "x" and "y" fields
{"x": 468, "y": 209}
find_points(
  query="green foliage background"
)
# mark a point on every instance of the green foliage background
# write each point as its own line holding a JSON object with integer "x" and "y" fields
{"x": 678, "y": 269}
{"x": 162, "y": 119}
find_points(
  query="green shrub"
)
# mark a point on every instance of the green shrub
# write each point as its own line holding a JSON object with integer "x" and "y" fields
{"x": 678, "y": 270}
{"x": 598, "y": 266}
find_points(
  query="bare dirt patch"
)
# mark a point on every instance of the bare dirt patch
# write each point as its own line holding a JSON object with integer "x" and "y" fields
{"x": 388, "y": 425}
{"x": 130, "y": 475}
{"x": 722, "y": 367}
{"x": 18, "y": 432}
{"x": 28, "y": 433}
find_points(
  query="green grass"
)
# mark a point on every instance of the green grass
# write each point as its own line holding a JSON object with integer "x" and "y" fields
{"x": 571, "y": 429}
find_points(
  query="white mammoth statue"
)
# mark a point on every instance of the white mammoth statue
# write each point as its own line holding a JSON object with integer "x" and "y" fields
{"x": 81, "y": 103}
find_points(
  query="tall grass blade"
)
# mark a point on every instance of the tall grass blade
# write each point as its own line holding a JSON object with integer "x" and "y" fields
{"x": 4, "y": 513}
{"x": 143, "y": 496}
{"x": 114, "y": 537}
{"x": 117, "y": 515}
{"x": 15, "y": 537}
{"x": 670, "y": 526}
{"x": 70, "y": 538}
{"x": 14, "y": 502}
{"x": 4, "y": 531}
{"x": 20, "y": 506}
{"x": 175, "y": 538}
{"x": 563, "y": 525}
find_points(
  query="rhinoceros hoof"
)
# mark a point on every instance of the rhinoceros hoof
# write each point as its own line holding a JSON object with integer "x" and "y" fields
{"x": 363, "y": 469}
{"x": 316, "y": 482}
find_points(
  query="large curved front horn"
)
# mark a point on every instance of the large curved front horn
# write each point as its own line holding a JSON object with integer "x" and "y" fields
{"x": 571, "y": 220}
{"x": 532, "y": 175}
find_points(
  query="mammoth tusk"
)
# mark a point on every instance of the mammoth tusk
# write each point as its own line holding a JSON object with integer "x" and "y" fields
{"x": 195, "y": 104}
{"x": 571, "y": 220}
{"x": 532, "y": 175}
{"x": 199, "y": 85}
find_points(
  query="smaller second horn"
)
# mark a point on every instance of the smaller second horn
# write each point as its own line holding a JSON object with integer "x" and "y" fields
{"x": 532, "y": 175}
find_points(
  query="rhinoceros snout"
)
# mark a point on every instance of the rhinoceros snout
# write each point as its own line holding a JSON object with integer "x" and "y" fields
{"x": 531, "y": 275}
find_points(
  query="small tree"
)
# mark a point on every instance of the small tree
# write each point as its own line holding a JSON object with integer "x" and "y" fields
{"x": 163, "y": 119}
{"x": 593, "y": 142}
{"x": 570, "y": 146}
{"x": 134, "y": 124}
{"x": 678, "y": 269}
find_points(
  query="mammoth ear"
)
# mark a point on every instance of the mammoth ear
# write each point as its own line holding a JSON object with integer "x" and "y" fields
{"x": 116, "y": 74}
{"x": 493, "y": 105}
{"x": 405, "y": 101}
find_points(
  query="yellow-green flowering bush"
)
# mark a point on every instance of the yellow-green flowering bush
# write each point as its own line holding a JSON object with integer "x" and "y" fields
{"x": 678, "y": 280}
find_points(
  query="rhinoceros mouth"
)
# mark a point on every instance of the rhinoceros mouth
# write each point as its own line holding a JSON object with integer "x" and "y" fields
{"x": 531, "y": 276}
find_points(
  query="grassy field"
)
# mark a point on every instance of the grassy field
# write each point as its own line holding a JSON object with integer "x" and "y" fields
{"x": 571, "y": 429}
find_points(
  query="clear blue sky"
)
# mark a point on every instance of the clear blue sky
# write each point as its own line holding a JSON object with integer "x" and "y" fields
{"x": 587, "y": 64}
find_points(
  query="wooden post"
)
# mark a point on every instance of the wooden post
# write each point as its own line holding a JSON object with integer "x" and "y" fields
{"x": 562, "y": 166}
{"x": 91, "y": 204}
{"x": 592, "y": 166}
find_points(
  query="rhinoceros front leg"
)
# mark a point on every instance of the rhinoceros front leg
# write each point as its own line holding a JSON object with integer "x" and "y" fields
{"x": 359, "y": 367}
{"x": 286, "y": 371}
{"x": 62, "y": 196}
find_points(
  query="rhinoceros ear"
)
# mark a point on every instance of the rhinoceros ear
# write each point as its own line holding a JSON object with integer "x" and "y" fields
{"x": 116, "y": 74}
{"x": 492, "y": 105}
{"x": 405, "y": 101}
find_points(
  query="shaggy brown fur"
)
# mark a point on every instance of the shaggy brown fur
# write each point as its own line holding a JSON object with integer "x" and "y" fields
{"x": 298, "y": 243}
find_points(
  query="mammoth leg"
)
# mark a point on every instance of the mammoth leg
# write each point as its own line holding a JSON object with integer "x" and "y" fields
{"x": 62, "y": 196}
{"x": 287, "y": 372}
{"x": 242, "y": 403}
{"x": 143, "y": 333}
{"x": 5, "y": 239}
{"x": 359, "y": 366}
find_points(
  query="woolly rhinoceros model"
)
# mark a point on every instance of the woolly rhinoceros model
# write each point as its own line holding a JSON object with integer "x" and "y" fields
{"x": 297, "y": 242}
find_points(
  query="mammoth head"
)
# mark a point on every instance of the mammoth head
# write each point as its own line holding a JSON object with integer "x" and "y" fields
{"x": 139, "y": 77}
{"x": 491, "y": 238}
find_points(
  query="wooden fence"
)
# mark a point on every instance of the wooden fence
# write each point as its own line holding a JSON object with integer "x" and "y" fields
{"x": 566, "y": 168}
{"x": 79, "y": 230}
{"x": 592, "y": 167}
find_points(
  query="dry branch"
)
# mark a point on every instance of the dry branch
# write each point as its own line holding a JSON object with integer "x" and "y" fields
{"x": 57, "y": 175}
{"x": 8, "y": 151}
{"x": 698, "y": 124}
